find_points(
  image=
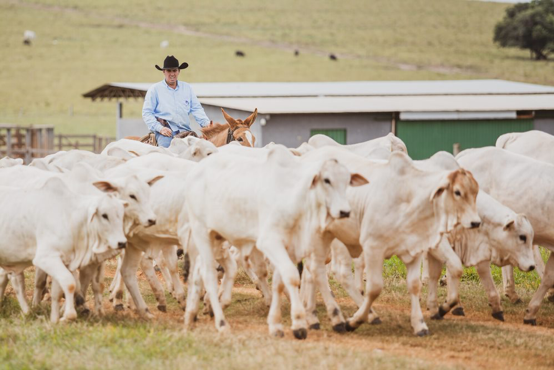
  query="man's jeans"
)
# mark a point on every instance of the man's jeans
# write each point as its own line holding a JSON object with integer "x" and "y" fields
{"x": 165, "y": 140}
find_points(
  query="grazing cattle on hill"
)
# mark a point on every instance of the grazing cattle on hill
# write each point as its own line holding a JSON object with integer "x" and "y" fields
{"x": 526, "y": 186}
{"x": 239, "y": 53}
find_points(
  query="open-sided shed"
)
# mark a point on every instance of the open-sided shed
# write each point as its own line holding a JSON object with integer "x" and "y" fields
{"x": 428, "y": 115}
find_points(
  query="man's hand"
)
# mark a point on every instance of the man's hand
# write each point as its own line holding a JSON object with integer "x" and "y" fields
{"x": 166, "y": 131}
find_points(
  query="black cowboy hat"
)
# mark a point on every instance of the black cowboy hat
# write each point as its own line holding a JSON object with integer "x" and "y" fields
{"x": 171, "y": 62}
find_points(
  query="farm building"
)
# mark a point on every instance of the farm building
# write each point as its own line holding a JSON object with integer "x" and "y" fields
{"x": 427, "y": 115}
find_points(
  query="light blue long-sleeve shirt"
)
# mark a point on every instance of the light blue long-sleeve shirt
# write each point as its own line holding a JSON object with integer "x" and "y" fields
{"x": 172, "y": 105}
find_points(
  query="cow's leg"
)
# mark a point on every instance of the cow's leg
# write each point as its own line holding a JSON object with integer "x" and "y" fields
{"x": 274, "y": 316}
{"x": 86, "y": 275}
{"x": 226, "y": 289}
{"x": 98, "y": 289}
{"x": 129, "y": 267}
{"x": 18, "y": 284}
{"x": 166, "y": 275}
{"x": 4, "y": 280}
{"x": 53, "y": 266}
{"x": 273, "y": 248}
{"x": 204, "y": 242}
{"x": 40, "y": 285}
{"x": 509, "y": 285}
{"x": 374, "y": 285}
{"x": 170, "y": 262}
{"x": 455, "y": 270}
{"x": 434, "y": 273}
{"x": 425, "y": 275}
{"x": 317, "y": 266}
{"x": 348, "y": 281}
{"x": 194, "y": 292}
{"x": 484, "y": 271}
{"x": 546, "y": 283}
{"x": 539, "y": 263}
{"x": 259, "y": 267}
{"x": 117, "y": 277}
{"x": 148, "y": 270}
{"x": 359, "y": 267}
{"x": 55, "y": 296}
{"x": 414, "y": 287}
{"x": 308, "y": 294}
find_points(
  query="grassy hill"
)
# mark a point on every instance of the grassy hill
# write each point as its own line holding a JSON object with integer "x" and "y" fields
{"x": 81, "y": 45}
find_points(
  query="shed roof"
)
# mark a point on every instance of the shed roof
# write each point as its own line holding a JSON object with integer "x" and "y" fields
{"x": 314, "y": 89}
{"x": 343, "y": 104}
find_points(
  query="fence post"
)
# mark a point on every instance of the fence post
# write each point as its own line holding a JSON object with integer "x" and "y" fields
{"x": 27, "y": 146}
{"x": 9, "y": 142}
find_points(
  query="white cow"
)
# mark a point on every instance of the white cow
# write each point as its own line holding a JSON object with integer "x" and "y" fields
{"x": 275, "y": 203}
{"x": 9, "y": 162}
{"x": 58, "y": 231}
{"x": 526, "y": 186}
{"x": 67, "y": 160}
{"x": 389, "y": 142}
{"x": 419, "y": 206}
{"x": 540, "y": 146}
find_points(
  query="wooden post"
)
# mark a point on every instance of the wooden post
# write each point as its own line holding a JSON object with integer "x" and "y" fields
{"x": 50, "y": 139}
{"x": 456, "y": 149}
{"x": 27, "y": 146}
{"x": 94, "y": 148}
{"x": 59, "y": 142}
{"x": 9, "y": 142}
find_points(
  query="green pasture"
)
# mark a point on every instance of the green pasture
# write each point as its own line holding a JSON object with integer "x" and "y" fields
{"x": 82, "y": 45}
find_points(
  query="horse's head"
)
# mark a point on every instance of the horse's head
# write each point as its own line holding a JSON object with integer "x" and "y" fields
{"x": 241, "y": 129}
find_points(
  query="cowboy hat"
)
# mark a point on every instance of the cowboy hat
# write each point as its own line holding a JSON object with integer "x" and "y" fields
{"x": 171, "y": 62}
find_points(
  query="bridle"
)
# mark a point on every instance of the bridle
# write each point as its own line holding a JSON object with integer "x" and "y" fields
{"x": 231, "y": 133}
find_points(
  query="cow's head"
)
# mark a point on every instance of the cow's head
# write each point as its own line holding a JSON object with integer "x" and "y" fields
{"x": 331, "y": 182}
{"x": 105, "y": 224}
{"x": 199, "y": 150}
{"x": 136, "y": 193}
{"x": 455, "y": 201}
{"x": 512, "y": 243}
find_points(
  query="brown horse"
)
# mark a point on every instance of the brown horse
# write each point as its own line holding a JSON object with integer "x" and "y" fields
{"x": 234, "y": 130}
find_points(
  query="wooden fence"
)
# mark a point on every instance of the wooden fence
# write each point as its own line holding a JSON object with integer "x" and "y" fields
{"x": 38, "y": 141}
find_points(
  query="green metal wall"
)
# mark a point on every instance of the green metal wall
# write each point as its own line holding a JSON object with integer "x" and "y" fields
{"x": 339, "y": 135}
{"x": 425, "y": 138}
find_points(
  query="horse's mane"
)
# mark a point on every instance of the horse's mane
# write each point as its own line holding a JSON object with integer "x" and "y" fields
{"x": 214, "y": 129}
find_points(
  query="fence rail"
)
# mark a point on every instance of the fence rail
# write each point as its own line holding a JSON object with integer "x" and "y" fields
{"x": 39, "y": 141}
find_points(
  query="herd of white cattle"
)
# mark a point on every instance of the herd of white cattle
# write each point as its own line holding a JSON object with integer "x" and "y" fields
{"x": 266, "y": 209}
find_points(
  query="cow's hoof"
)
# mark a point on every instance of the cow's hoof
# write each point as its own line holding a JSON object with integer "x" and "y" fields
{"x": 340, "y": 327}
{"x": 442, "y": 312}
{"x": 119, "y": 307}
{"x": 162, "y": 308}
{"x": 376, "y": 321}
{"x": 315, "y": 326}
{"x": 79, "y": 300}
{"x": 518, "y": 301}
{"x": 349, "y": 327}
{"x": 551, "y": 298}
{"x": 458, "y": 311}
{"x": 300, "y": 333}
{"x": 85, "y": 312}
{"x": 423, "y": 333}
{"x": 532, "y": 322}
{"x": 279, "y": 334}
{"x": 437, "y": 316}
{"x": 498, "y": 315}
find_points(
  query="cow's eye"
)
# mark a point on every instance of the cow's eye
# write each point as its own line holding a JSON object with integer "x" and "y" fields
{"x": 457, "y": 192}
{"x": 105, "y": 216}
{"x": 133, "y": 197}
{"x": 523, "y": 238}
{"x": 239, "y": 139}
{"x": 327, "y": 181}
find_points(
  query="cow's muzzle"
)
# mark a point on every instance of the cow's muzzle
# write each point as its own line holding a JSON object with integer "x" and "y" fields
{"x": 121, "y": 245}
{"x": 475, "y": 224}
{"x": 344, "y": 214}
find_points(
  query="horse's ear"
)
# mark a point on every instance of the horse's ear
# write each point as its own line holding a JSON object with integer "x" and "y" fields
{"x": 251, "y": 118}
{"x": 230, "y": 120}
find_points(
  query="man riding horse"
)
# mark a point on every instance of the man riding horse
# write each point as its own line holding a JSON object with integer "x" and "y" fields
{"x": 168, "y": 103}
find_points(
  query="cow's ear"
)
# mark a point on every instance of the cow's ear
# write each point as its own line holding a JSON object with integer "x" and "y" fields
{"x": 357, "y": 180}
{"x": 125, "y": 204}
{"x": 509, "y": 225}
{"x": 105, "y": 186}
{"x": 154, "y": 180}
{"x": 314, "y": 181}
{"x": 443, "y": 186}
